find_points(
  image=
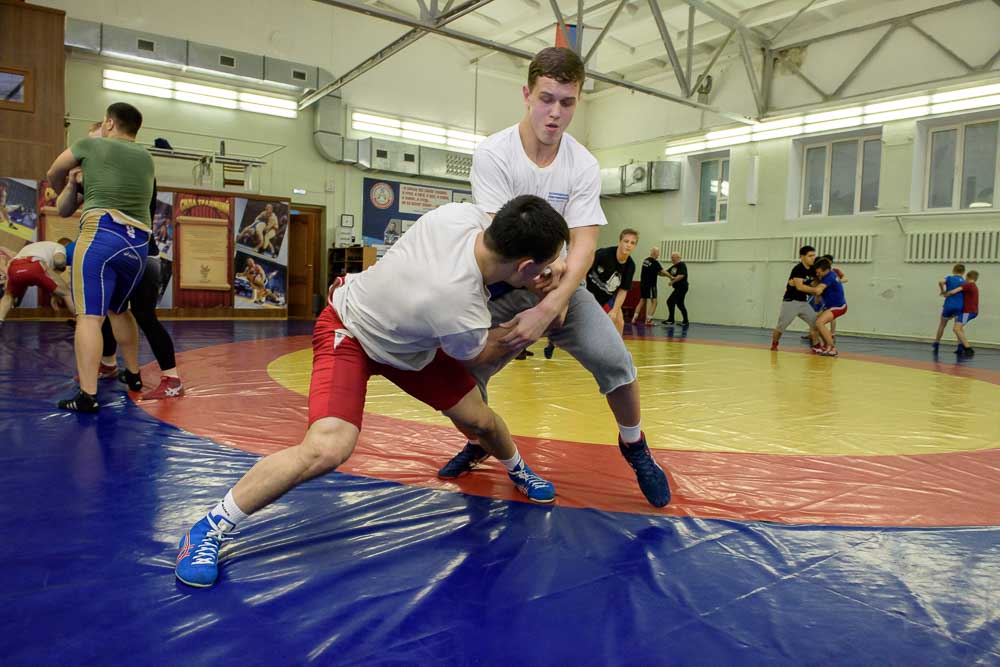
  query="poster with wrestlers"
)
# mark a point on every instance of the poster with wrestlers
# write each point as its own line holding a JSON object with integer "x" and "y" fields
{"x": 18, "y": 223}
{"x": 18, "y": 211}
{"x": 163, "y": 236}
{"x": 391, "y": 207}
{"x": 261, "y": 227}
{"x": 260, "y": 264}
{"x": 259, "y": 283}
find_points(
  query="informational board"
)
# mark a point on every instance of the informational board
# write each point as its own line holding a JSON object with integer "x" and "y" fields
{"x": 204, "y": 253}
{"x": 391, "y": 207}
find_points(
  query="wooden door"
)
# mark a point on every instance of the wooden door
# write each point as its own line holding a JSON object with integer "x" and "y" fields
{"x": 303, "y": 249}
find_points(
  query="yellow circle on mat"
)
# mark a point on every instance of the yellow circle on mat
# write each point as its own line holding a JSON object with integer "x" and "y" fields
{"x": 718, "y": 398}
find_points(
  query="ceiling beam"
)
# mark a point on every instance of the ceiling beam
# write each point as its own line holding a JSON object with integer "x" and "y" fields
{"x": 758, "y": 96}
{"x": 877, "y": 24}
{"x": 562, "y": 25}
{"x": 711, "y": 63}
{"x": 352, "y": 5}
{"x": 727, "y": 19}
{"x": 668, "y": 44}
{"x": 604, "y": 32}
{"x": 792, "y": 20}
{"x": 390, "y": 50}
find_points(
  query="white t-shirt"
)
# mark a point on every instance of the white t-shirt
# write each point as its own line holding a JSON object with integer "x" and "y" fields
{"x": 426, "y": 293}
{"x": 43, "y": 250}
{"x": 501, "y": 170}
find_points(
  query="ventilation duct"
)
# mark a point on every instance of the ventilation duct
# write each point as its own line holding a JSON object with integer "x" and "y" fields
{"x": 390, "y": 156}
{"x": 641, "y": 177}
{"x": 176, "y": 53}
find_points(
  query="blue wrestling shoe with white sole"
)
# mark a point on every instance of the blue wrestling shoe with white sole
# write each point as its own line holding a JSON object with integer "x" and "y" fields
{"x": 527, "y": 482}
{"x": 652, "y": 480}
{"x": 464, "y": 462}
{"x": 198, "y": 558}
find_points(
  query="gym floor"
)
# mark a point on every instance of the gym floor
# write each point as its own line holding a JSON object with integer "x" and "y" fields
{"x": 826, "y": 511}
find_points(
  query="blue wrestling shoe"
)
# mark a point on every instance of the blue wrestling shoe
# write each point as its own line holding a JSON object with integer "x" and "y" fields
{"x": 464, "y": 462}
{"x": 652, "y": 480}
{"x": 198, "y": 558}
{"x": 527, "y": 482}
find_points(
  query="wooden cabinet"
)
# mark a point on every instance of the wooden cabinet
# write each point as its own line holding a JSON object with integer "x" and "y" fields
{"x": 348, "y": 260}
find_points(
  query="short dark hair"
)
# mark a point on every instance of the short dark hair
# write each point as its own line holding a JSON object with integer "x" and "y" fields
{"x": 972, "y": 274}
{"x": 806, "y": 249}
{"x": 527, "y": 226}
{"x": 829, "y": 257}
{"x": 959, "y": 268}
{"x": 628, "y": 231}
{"x": 126, "y": 117}
{"x": 822, "y": 264}
{"x": 556, "y": 62}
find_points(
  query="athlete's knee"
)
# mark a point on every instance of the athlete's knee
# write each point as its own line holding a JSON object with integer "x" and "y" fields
{"x": 482, "y": 424}
{"x": 473, "y": 417}
{"x": 328, "y": 443}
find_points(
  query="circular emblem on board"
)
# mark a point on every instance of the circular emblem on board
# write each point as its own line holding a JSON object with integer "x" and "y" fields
{"x": 382, "y": 196}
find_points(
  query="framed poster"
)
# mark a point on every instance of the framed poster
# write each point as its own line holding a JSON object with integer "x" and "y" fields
{"x": 347, "y": 220}
{"x": 16, "y": 89}
{"x": 204, "y": 246}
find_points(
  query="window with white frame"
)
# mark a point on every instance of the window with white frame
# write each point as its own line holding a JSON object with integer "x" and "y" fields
{"x": 713, "y": 189}
{"x": 841, "y": 177}
{"x": 962, "y": 166}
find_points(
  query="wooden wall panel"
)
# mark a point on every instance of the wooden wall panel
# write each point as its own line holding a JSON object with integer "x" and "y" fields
{"x": 32, "y": 39}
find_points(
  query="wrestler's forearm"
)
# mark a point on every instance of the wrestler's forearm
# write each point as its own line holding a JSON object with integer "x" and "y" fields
{"x": 578, "y": 261}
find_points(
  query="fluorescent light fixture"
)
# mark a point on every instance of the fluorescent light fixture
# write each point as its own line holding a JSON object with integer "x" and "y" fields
{"x": 270, "y": 111}
{"x": 962, "y": 105}
{"x": 965, "y": 93}
{"x": 118, "y": 75}
{"x": 139, "y": 89}
{"x": 832, "y": 125}
{"x": 777, "y": 134}
{"x": 204, "y": 99}
{"x": 910, "y": 102}
{"x": 205, "y": 90}
{"x": 426, "y": 129}
{"x": 731, "y": 141}
{"x": 375, "y": 120}
{"x": 461, "y": 143}
{"x": 685, "y": 148}
{"x": 777, "y": 124}
{"x": 269, "y": 101}
{"x": 465, "y": 136}
{"x": 853, "y": 112}
{"x": 376, "y": 129}
{"x": 733, "y": 132}
{"x": 423, "y": 136}
{"x": 896, "y": 115}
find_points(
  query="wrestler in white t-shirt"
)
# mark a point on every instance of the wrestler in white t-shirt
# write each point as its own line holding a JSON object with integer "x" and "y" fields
{"x": 538, "y": 157}
{"x": 395, "y": 309}
{"x": 571, "y": 184}
{"x": 45, "y": 251}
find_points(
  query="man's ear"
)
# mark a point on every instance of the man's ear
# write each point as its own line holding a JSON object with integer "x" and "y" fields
{"x": 524, "y": 265}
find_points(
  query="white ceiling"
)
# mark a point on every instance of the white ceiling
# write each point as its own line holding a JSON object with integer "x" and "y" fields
{"x": 633, "y": 47}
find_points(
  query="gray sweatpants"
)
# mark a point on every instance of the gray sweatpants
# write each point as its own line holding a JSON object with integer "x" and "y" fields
{"x": 587, "y": 334}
